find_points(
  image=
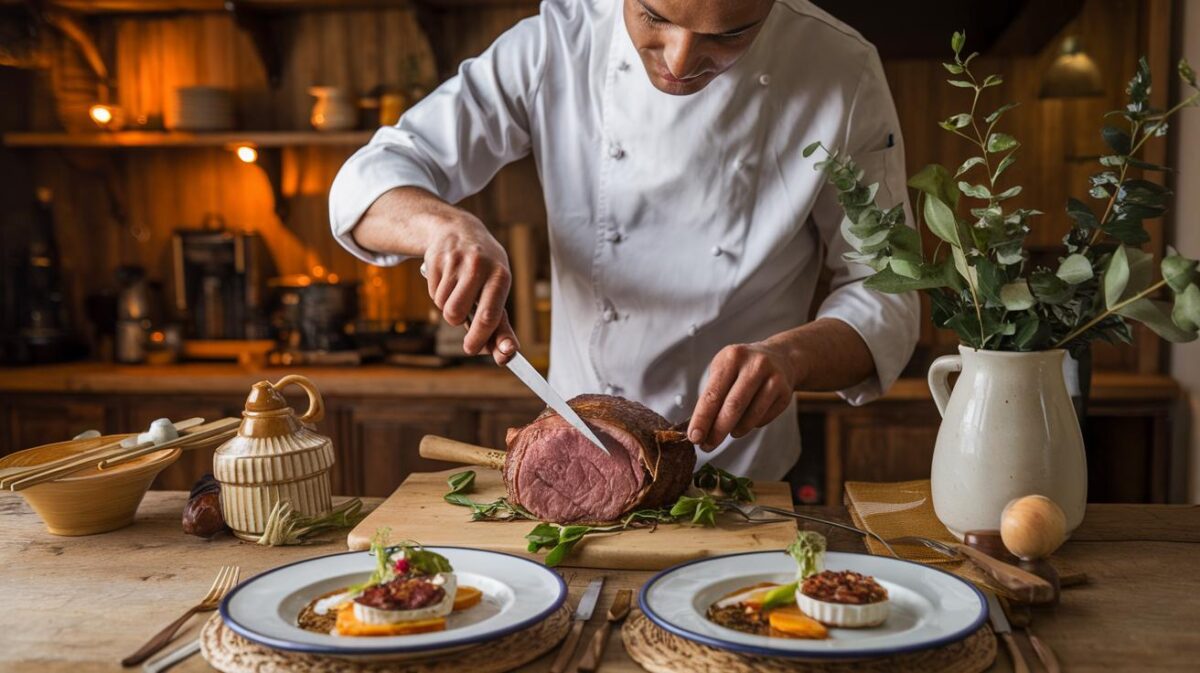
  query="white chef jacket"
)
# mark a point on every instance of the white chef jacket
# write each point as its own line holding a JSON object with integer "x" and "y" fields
{"x": 677, "y": 224}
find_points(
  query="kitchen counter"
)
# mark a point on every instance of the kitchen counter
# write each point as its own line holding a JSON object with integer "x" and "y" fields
{"x": 466, "y": 381}
{"x": 80, "y": 604}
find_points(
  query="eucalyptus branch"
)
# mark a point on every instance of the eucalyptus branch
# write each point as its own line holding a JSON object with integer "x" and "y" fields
{"x": 1112, "y": 310}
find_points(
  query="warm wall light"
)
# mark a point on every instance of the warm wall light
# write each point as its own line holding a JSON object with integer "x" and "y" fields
{"x": 105, "y": 116}
{"x": 1073, "y": 74}
{"x": 247, "y": 154}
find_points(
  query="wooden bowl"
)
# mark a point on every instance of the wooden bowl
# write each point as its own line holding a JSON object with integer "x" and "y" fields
{"x": 89, "y": 501}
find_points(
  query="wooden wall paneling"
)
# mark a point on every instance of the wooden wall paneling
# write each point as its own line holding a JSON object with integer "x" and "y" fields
{"x": 495, "y": 420}
{"x": 34, "y": 420}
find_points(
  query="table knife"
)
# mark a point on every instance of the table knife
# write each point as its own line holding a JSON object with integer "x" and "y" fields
{"x": 168, "y": 660}
{"x": 1004, "y": 632}
{"x": 583, "y": 612}
{"x": 534, "y": 380}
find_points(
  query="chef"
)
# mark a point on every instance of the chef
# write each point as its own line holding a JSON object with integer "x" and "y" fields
{"x": 687, "y": 232}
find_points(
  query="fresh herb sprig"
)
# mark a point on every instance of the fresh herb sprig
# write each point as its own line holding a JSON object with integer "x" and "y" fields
{"x": 697, "y": 507}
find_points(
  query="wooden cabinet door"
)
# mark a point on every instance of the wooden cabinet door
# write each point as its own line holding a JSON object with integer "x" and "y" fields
{"x": 35, "y": 420}
{"x": 141, "y": 410}
{"x": 377, "y": 446}
{"x": 881, "y": 442}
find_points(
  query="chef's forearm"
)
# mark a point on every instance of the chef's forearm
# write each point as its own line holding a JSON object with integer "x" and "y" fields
{"x": 405, "y": 221}
{"x": 826, "y": 354}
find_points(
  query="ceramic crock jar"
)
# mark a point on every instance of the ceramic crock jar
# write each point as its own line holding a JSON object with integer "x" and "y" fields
{"x": 1008, "y": 430}
{"x": 275, "y": 456}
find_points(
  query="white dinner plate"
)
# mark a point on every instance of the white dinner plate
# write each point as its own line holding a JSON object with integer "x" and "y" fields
{"x": 517, "y": 593}
{"x": 929, "y": 607}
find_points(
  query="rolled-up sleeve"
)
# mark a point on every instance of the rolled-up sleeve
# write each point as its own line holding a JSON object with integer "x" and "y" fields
{"x": 454, "y": 141}
{"x": 888, "y": 323}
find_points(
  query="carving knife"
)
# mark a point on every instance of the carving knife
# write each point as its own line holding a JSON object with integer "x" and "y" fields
{"x": 534, "y": 380}
{"x": 583, "y": 612}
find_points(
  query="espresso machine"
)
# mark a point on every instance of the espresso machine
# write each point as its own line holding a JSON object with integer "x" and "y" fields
{"x": 219, "y": 282}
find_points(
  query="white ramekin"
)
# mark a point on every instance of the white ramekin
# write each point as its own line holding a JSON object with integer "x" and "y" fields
{"x": 842, "y": 615}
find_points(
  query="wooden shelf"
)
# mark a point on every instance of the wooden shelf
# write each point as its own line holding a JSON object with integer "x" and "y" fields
{"x": 151, "y": 139}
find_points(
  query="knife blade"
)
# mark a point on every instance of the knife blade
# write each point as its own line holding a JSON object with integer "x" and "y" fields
{"x": 534, "y": 380}
{"x": 587, "y": 603}
{"x": 1004, "y": 631}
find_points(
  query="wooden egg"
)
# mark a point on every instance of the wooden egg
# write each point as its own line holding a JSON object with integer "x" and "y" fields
{"x": 1033, "y": 526}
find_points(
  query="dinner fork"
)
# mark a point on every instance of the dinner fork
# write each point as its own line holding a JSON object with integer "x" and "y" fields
{"x": 750, "y": 513}
{"x": 227, "y": 579}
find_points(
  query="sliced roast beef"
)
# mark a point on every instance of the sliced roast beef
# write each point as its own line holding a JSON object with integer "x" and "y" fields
{"x": 553, "y": 471}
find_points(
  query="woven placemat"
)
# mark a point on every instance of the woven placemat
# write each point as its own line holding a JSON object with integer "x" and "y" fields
{"x": 658, "y": 651}
{"x": 896, "y": 509}
{"x": 228, "y": 652}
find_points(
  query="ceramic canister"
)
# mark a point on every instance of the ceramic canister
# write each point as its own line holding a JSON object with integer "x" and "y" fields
{"x": 275, "y": 456}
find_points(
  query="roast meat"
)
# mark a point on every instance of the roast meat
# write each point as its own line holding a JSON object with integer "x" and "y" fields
{"x": 553, "y": 471}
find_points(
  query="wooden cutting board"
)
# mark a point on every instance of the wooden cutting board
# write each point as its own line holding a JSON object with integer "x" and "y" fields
{"x": 416, "y": 511}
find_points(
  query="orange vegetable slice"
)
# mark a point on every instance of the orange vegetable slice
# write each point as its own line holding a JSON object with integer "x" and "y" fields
{"x": 349, "y": 625}
{"x": 467, "y": 597}
{"x": 791, "y": 622}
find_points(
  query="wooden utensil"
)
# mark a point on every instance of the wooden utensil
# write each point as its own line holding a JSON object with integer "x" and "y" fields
{"x": 583, "y": 612}
{"x": 227, "y": 579}
{"x": 595, "y": 651}
{"x": 210, "y": 433}
{"x": 1025, "y": 586}
{"x": 9, "y": 475}
{"x": 190, "y": 439}
{"x": 441, "y": 448}
{"x": 1021, "y": 617}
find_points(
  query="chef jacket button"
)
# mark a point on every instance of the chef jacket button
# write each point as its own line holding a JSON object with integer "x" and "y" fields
{"x": 611, "y": 389}
{"x": 717, "y": 251}
{"x": 623, "y": 66}
{"x": 609, "y": 315}
{"x": 737, "y": 164}
{"x": 679, "y": 400}
{"x": 613, "y": 237}
{"x": 615, "y": 151}
{"x": 693, "y": 330}
{"x": 764, "y": 79}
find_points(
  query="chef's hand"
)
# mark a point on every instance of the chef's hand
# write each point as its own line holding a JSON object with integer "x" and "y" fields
{"x": 748, "y": 386}
{"x": 467, "y": 269}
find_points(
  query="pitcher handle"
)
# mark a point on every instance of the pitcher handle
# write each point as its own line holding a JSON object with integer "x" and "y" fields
{"x": 316, "y": 405}
{"x": 939, "y": 383}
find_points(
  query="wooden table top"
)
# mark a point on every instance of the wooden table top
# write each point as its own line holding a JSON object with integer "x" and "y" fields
{"x": 81, "y": 604}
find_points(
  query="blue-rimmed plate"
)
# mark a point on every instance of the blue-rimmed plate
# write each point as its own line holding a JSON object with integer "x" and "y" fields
{"x": 929, "y": 607}
{"x": 517, "y": 593}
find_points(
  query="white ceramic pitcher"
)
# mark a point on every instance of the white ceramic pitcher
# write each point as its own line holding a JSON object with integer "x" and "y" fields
{"x": 1008, "y": 429}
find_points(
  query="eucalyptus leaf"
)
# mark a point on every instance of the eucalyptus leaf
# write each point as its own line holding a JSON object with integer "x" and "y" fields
{"x": 1082, "y": 214}
{"x": 934, "y": 180}
{"x": 810, "y": 148}
{"x": 968, "y": 165}
{"x": 961, "y": 83}
{"x": 976, "y": 191}
{"x": 1001, "y": 142}
{"x": 1116, "y": 276}
{"x": 957, "y": 121}
{"x": 1008, "y": 160}
{"x": 1116, "y": 139}
{"x": 965, "y": 270}
{"x": 1016, "y": 296}
{"x": 1178, "y": 271}
{"x": 1186, "y": 313}
{"x": 1186, "y": 72}
{"x": 993, "y": 117}
{"x": 1008, "y": 193}
{"x": 941, "y": 220}
{"x": 1075, "y": 269}
{"x": 953, "y": 68}
{"x": 992, "y": 80}
{"x": 1158, "y": 317}
{"x": 1049, "y": 288}
{"x": 957, "y": 40}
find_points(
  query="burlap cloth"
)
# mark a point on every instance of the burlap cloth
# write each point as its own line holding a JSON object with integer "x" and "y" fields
{"x": 892, "y": 510}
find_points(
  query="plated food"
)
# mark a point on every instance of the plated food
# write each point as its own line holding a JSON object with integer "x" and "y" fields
{"x": 556, "y": 474}
{"x": 412, "y": 590}
{"x": 447, "y": 598}
{"x": 790, "y": 604}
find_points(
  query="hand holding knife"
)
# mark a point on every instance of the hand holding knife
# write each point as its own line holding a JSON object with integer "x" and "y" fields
{"x": 517, "y": 364}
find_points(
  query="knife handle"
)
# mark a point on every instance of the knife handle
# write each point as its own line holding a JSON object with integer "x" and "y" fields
{"x": 1025, "y": 586}
{"x": 441, "y": 448}
{"x": 1014, "y": 652}
{"x": 568, "y": 647}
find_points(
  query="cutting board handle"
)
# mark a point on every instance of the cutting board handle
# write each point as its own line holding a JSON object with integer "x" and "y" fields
{"x": 441, "y": 448}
